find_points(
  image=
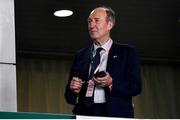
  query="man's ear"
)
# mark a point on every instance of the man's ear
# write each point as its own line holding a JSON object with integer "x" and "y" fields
{"x": 110, "y": 25}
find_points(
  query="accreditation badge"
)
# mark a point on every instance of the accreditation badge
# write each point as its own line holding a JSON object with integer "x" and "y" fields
{"x": 90, "y": 88}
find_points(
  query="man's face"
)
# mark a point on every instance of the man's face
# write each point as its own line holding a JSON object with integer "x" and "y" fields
{"x": 98, "y": 26}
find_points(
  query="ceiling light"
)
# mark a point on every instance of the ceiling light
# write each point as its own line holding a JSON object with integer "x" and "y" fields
{"x": 63, "y": 13}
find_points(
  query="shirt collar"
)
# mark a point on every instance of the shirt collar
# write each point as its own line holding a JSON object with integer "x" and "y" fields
{"x": 105, "y": 46}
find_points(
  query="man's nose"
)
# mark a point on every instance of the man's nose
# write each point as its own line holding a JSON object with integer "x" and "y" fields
{"x": 91, "y": 24}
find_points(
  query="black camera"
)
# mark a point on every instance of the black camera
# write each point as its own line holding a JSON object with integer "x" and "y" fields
{"x": 100, "y": 74}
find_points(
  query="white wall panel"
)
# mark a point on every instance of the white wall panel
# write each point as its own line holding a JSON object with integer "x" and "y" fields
{"x": 7, "y": 31}
{"x": 8, "y": 97}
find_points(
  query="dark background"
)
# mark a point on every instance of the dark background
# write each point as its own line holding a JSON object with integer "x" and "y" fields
{"x": 152, "y": 26}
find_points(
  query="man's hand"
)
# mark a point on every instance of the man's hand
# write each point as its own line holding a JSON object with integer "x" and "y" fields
{"x": 76, "y": 85}
{"x": 103, "y": 81}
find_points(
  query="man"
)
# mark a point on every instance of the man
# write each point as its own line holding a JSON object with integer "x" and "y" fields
{"x": 110, "y": 92}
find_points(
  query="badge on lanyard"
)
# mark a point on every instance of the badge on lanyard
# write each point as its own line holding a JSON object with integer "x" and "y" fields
{"x": 91, "y": 84}
{"x": 90, "y": 88}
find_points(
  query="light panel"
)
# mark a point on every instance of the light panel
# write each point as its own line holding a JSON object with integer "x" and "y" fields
{"x": 63, "y": 13}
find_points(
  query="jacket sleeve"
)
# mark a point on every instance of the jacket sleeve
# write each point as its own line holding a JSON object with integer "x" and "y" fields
{"x": 69, "y": 95}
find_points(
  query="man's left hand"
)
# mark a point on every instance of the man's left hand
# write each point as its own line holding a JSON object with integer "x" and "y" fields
{"x": 103, "y": 81}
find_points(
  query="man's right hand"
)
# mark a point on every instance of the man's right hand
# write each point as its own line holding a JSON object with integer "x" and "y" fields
{"x": 76, "y": 85}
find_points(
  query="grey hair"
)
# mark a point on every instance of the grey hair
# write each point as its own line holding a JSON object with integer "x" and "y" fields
{"x": 110, "y": 14}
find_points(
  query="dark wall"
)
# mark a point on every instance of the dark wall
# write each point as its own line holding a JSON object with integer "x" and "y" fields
{"x": 152, "y": 26}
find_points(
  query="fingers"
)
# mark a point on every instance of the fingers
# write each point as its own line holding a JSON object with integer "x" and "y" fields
{"x": 76, "y": 84}
{"x": 103, "y": 81}
{"x": 99, "y": 81}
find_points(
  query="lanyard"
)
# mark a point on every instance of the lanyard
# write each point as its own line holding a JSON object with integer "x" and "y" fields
{"x": 104, "y": 55}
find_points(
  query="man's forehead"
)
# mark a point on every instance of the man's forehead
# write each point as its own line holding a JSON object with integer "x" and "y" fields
{"x": 98, "y": 13}
{"x": 100, "y": 10}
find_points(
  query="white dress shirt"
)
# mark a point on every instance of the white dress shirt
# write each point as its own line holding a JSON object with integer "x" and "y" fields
{"x": 99, "y": 93}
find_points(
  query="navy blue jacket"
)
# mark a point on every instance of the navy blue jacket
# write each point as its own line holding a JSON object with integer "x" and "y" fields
{"x": 124, "y": 68}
